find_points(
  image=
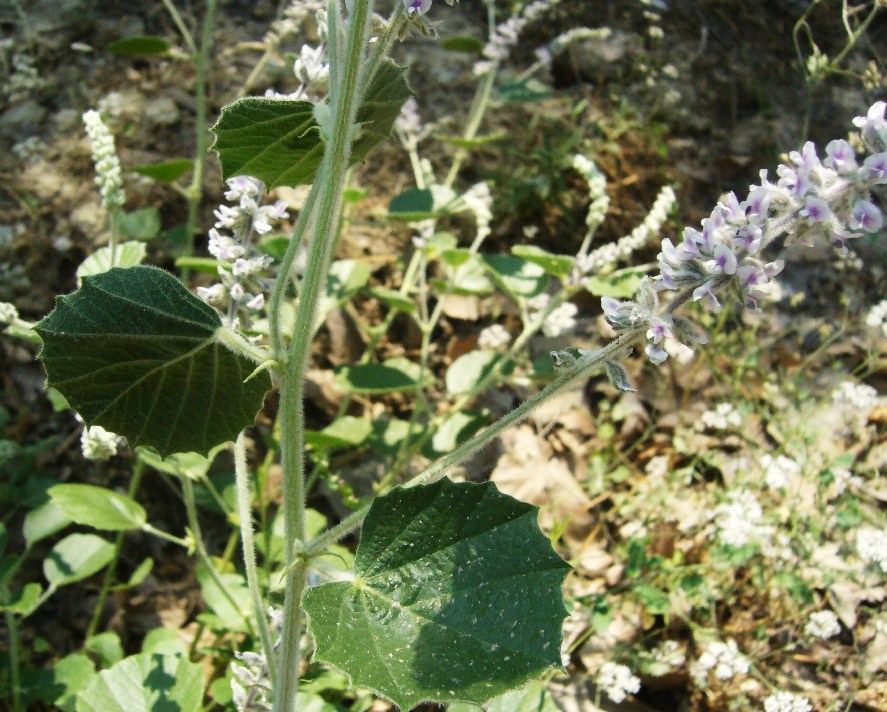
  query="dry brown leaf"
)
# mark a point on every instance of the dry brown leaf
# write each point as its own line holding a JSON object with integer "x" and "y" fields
{"x": 528, "y": 472}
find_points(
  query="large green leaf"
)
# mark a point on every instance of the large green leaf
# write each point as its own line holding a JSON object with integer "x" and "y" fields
{"x": 98, "y": 507}
{"x": 457, "y": 596}
{"x": 43, "y": 521}
{"x": 279, "y": 141}
{"x": 76, "y": 557}
{"x": 145, "y": 683}
{"x": 133, "y": 351}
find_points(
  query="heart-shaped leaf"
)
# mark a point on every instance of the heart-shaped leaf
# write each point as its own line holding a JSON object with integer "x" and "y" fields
{"x": 457, "y": 596}
{"x": 279, "y": 141}
{"x": 135, "y": 352}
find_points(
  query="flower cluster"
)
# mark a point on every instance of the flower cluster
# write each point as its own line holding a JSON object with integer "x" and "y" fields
{"x": 617, "y": 681}
{"x": 96, "y": 443}
{"x": 613, "y": 252}
{"x": 723, "y": 658}
{"x": 871, "y": 545}
{"x": 779, "y": 471}
{"x": 739, "y": 520}
{"x": 597, "y": 192}
{"x": 786, "y": 702}
{"x": 409, "y": 127}
{"x": 723, "y": 416}
{"x": 643, "y": 314}
{"x": 877, "y": 317}
{"x": 823, "y": 624}
{"x": 109, "y": 177}
{"x": 244, "y": 268}
{"x": 494, "y": 337}
{"x": 506, "y": 34}
{"x": 559, "y": 321}
{"x": 814, "y": 198}
{"x": 420, "y": 7}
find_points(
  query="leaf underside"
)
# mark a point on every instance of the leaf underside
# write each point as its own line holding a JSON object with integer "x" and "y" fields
{"x": 136, "y": 353}
{"x": 457, "y": 597}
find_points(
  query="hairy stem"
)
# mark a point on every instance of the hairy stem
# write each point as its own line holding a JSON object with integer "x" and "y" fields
{"x": 345, "y": 95}
{"x": 439, "y": 469}
{"x": 200, "y": 548}
{"x": 244, "y": 513}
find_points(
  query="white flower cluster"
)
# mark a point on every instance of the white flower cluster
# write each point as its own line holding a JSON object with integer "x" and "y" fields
{"x": 409, "y": 127}
{"x": 722, "y": 417}
{"x": 243, "y": 284}
{"x": 577, "y": 34}
{"x": 669, "y": 653}
{"x": 854, "y": 401}
{"x": 779, "y": 470}
{"x": 561, "y": 320}
{"x": 739, "y": 520}
{"x": 98, "y": 443}
{"x": 597, "y": 192}
{"x": 871, "y": 545}
{"x": 723, "y": 658}
{"x": 479, "y": 201}
{"x": 830, "y": 198}
{"x": 786, "y": 702}
{"x": 506, "y": 34}
{"x": 8, "y": 313}
{"x": 109, "y": 177}
{"x": 613, "y": 252}
{"x": 494, "y": 337}
{"x": 823, "y": 624}
{"x": 877, "y": 317}
{"x": 617, "y": 681}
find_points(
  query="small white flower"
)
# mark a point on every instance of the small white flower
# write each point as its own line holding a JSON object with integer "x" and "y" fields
{"x": 877, "y": 317}
{"x": 8, "y": 313}
{"x": 871, "y": 545}
{"x": 739, "y": 521}
{"x": 779, "y": 471}
{"x": 786, "y": 702}
{"x": 98, "y": 443}
{"x": 723, "y": 417}
{"x": 493, "y": 337}
{"x": 670, "y": 653}
{"x": 617, "y": 681}
{"x": 561, "y": 320}
{"x": 724, "y": 659}
{"x": 823, "y": 624}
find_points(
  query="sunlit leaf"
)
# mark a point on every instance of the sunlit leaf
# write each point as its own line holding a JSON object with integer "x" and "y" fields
{"x": 98, "y": 507}
{"x": 457, "y": 596}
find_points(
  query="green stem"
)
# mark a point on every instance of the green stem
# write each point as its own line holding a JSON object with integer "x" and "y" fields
{"x": 244, "y": 513}
{"x": 180, "y": 26}
{"x": 478, "y": 109}
{"x": 345, "y": 96}
{"x": 159, "y": 533}
{"x": 138, "y": 470}
{"x": 200, "y": 549}
{"x": 14, "y": 661}
{"x": 195, "y": 189}
{"x": 114, "y": 218}
{"x": 285, "y": 274}
{"x": 439, "y": 469}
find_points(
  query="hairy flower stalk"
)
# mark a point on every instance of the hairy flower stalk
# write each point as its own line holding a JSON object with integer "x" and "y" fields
{"x": 109, "y": 177}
